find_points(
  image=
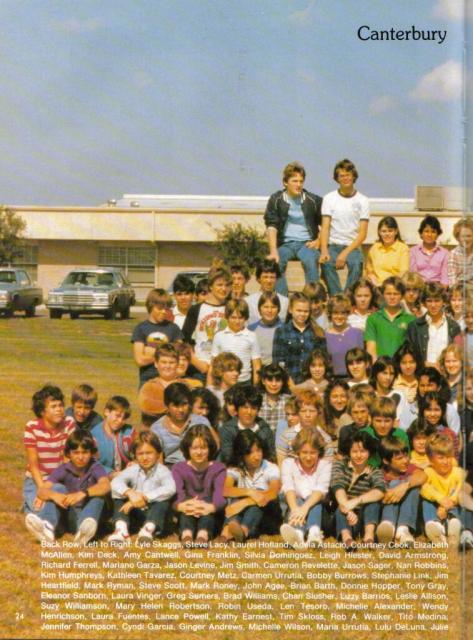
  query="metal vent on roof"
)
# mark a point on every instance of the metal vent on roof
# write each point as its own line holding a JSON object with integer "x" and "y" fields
{"x": 429, "y": 198}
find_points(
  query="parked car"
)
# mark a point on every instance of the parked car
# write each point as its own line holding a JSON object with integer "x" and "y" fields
{"x": 18, "y": 292}
{"x": 104, "y": 291}
{"x": 195, "y": 276}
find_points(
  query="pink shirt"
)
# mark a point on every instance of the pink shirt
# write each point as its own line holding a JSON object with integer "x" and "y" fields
{"x": 433, "y": 267}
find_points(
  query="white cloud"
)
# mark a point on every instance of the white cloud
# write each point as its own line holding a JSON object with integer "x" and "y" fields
{"x": 442, "y": 84}
{"x": 73, "y": 25}
{"x": 453, "y": 9}
{"x": 141, "y": 79}
{"x": 300, "y": 18}
{"x": 381, "y": 104}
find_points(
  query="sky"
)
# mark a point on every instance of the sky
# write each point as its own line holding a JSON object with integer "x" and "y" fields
{"x": 105, "y": 97}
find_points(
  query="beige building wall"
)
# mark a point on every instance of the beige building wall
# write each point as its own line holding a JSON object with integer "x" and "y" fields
{"x": 182, "y": 239}
{"x": 57, "y": 257}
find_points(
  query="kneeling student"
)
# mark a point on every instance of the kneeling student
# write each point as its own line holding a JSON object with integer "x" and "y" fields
{"x": 142, "y": 492}
{"x": 76, "y": 489}
{"x": 401, "y": 500}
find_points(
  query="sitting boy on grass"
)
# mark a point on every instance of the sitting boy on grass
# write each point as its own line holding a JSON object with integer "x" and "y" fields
{"x": 75, "y": 490}
{"x": 44, "y": 441}
{"x": 441, "y": 492}
{"x": 83, "y": 401}
{"x": 401, "y": 500}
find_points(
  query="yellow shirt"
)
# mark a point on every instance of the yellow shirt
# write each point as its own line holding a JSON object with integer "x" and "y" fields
{"x": 384, "y": 262}
{"x": 419, "y": 460}
{"x": 437, "y": 487}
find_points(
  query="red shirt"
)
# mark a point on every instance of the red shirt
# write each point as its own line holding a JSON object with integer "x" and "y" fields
{"x": 48, "y": 444}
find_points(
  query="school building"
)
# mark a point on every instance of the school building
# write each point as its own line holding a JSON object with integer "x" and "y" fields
{"x": 154, "y": 237}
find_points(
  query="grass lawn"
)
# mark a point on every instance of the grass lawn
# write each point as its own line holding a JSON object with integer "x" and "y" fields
{"x": 65, "y": 352}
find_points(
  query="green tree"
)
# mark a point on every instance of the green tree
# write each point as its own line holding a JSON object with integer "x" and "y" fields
{"x": 239, "y": 243}
{"x": 12, "y": 227}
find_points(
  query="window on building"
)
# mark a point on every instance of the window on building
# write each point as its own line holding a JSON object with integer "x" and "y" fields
{"x": 27, "y": 259}
{"x": 137, "y": 263}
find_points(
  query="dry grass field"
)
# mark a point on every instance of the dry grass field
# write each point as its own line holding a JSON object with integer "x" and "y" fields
{"x": 65, "y": 352}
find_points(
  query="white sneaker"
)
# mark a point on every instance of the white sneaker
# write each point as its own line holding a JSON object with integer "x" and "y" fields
{"x": 385, "y": 531}
{"x": 292, "y": 536}
{"x": 404, "y": 536}
{"x": 41, "y": 529}
{"x": 454, "y": 530}
{"x": 435, "y": 531}
{"x": 466, "y": 539}
{"x": 315, "y": 537}
{"x": 145, "y": 536}
{"x": 86, "y": 531}
{"x": 119, "y": 538}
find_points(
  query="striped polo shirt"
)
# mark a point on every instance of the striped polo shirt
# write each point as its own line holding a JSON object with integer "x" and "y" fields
{"x": 49, "y": 444}
{"x": 343, "y": 477}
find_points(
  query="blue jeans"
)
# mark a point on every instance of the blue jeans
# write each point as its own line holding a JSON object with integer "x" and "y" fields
{"x": 30, "y": 491}
{"x": 429, "y": 512}
{"x": 155, "y": 512}
{"x": 251, "y": 518}
{"x": 402, "y": 513}
{"x": 314, "y": 517}
{"x": 204, "y": 523}
{"x": 368, "y": 514}
{"x": 296, "y": 250}
{"x": 467, "y": 519}
{"x": 354, "y": 265}
{"x": 75, "y": 515}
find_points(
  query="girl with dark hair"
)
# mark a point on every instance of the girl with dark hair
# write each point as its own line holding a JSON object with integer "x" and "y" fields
{"x": 430, "y": 379}
{"x": 406, "y": 365}
{"x": 389, "y": 256}
{"x": 199, "y": 486}
{"x": 205, "y": 403}
{"x": 275, "y": 392}
{"x": 433, "y": 415}
{"x": 382, "y": 380}
{"x": 335, "y": 407}
{"x": 253, "y": 485}
{"x": 428, "y": 258}
{"x": 316, "y": 370}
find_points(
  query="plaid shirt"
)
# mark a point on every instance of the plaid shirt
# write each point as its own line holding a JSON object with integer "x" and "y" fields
{"x": 292, "y": 346}
{"x": 271, "y": 412}
{"x": 460, "y": 266}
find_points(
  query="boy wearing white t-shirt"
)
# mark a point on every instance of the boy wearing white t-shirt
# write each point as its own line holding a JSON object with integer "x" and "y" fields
{"x": 345, "y": 215}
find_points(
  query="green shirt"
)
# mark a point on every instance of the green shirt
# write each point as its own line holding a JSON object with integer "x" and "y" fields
{"x": 375, "y": 459}
{"x": 389, "y": 334}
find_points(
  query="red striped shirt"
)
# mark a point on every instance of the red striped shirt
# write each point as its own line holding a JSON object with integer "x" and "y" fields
{"x": 48, "y": 444}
